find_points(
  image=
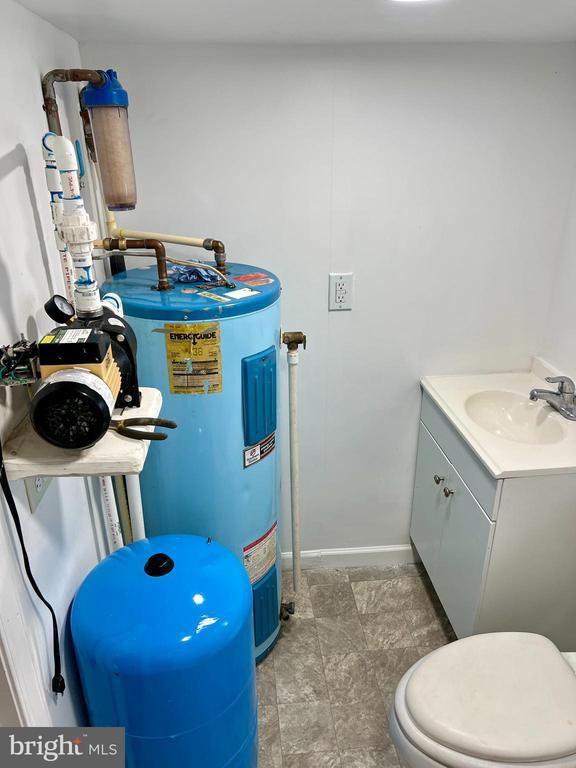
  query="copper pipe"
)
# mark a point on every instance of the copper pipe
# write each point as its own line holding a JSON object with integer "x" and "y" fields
{"x": 219, "y": 252}
{"x": 121, "y": 244}
{"x": 64, "y": 76}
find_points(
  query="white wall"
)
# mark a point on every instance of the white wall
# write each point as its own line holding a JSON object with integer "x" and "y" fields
{"x": 439, "y": 174}
{"x": 559, "y": 345}
{"x": 60, "y": 533}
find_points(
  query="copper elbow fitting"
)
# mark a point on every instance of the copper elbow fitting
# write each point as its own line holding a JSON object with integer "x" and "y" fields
{"x": 122, "y": 244}
{"x": 219, "y": 249}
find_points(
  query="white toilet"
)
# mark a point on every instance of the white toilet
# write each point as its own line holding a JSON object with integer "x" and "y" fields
{"x": 488, "y": 700}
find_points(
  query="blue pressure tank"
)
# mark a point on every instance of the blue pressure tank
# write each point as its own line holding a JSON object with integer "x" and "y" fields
{"x": 164, "y": 640}
{"x": 213, "y": 353}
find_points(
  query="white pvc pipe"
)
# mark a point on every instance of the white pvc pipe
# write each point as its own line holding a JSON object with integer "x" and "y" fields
{"x": 110, "y": 515}
{"x": 135, "y": 504}
{"x": 115, "y": 231}
{"x": 197, "y": 242}
{"x": 55, "y": 188}
{"x": 75, "y": 227}
{"x": 123, "y": 510}
{"x": 294, "y": 467}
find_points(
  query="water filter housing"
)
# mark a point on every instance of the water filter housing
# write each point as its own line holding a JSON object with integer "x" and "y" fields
{"x": 108, "y": 106}
{"x": 163, "y": 636}
{"x": 213, "y": 353}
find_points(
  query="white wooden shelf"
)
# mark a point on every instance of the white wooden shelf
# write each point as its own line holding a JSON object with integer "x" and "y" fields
{"x": 26, "y": 454}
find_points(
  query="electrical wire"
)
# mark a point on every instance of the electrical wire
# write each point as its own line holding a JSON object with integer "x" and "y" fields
{"x": 199, "y": 264}
{"x": 172, "y": 260}
{"x": 58, "y": 683}
{"x": 11, "y": 362}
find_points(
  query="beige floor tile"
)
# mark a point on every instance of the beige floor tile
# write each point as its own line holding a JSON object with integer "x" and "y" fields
{"x": 400, "y": 593}
{"x": 424, "y": 650}
{"x": 315, "y": 576}
{"x": 313, "y": 760}
{"x": 388, "y": 700}
{"x": 369, "y": 758}
{"x": 332, "y": 600}
{"x": 269, "y": 749}
{"x": 351, "y": 679}
{"x": 334, "y": 670}
{"x": 379, "y": 572}
{"x": 297, "y": 636}
{"x": 427, "y": 629}
{"x": 340, "y": 634}
{"x": 389, "y": 666}
{"x": 266, "y": 681}
{"x": 361, "y": 728}
{"x": 387, "y": 630}
{"x": 301, "y": 600}
{"x": 306, "y": 728}
{"x": 300, "y": 678}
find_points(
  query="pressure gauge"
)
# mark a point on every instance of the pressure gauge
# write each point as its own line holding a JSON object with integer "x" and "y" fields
{"x": 59, "y": 309}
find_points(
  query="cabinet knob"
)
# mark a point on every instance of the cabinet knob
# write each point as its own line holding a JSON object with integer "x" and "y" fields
{"x": 438, "y": 479}
{"x": 447, "y": 492}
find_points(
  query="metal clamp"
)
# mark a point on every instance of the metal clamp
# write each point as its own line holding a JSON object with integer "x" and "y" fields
{"x": 124, "y": 427}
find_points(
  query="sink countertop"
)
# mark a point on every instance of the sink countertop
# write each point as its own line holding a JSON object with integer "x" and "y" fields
{"x": 502, "y": 456}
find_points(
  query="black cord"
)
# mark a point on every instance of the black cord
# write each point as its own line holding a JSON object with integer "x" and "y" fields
{"x": 58, "y": 684}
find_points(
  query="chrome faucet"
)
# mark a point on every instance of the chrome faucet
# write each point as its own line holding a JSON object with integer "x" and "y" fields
{"x": 563, "y": 400}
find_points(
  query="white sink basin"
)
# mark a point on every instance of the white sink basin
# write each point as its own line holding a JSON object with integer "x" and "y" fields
{"x": 511, "y": 435}
{"x": 514, "y": 417}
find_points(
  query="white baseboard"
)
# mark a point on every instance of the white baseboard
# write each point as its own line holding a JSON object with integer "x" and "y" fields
{"x": 353, "y": 556}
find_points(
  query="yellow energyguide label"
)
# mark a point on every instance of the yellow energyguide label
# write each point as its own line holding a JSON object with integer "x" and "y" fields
{"x": 194, "y": 358}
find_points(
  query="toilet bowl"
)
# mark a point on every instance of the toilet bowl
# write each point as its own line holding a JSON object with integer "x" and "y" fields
{"x": 502, "y": 699}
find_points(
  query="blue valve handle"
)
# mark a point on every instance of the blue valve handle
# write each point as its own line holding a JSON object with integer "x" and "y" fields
{"x": 80, "y": 157}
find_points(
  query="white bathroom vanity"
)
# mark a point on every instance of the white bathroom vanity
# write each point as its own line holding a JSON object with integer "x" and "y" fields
{"x": 494, "y": 508}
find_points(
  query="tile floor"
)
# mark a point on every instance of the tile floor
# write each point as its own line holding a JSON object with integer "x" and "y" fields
{"x": 324, "y": 691}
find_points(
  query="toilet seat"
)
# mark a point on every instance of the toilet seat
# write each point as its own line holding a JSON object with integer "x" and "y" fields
{"x": 505, "y": 698}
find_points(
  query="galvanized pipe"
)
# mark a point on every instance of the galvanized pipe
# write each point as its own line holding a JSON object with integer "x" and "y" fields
{"x": 64, "y": 76}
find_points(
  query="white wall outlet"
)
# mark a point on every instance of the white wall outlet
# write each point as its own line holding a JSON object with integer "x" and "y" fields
{"x": 36, "y": 487}
{"x": 340, "y": 296}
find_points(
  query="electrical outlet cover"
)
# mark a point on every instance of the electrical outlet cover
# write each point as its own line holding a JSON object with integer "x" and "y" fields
{"x": 36, "y": 487}
{"x": 340, "y": 291}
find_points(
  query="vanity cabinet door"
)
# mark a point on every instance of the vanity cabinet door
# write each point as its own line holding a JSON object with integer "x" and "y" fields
{"x": 429, "y": 503}
{"x": 463, "y": 555}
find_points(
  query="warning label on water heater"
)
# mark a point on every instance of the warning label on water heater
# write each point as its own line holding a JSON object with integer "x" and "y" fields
{"x": 260, "y": 556}
{"x": 194, "y": 358}
{"x": 256, "y": 453}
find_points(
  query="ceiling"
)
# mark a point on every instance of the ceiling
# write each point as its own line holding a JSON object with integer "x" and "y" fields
{"x": 310, "y": 21}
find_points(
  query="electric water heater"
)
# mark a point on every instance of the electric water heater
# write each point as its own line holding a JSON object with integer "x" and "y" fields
{"x": 213, "y": 353}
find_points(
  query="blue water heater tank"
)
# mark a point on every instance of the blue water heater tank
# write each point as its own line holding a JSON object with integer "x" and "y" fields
{"x": 213, "y": 353}
{"x": 163, "y": 634}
